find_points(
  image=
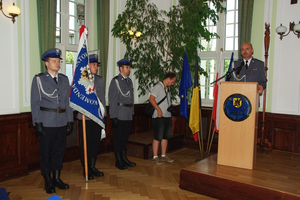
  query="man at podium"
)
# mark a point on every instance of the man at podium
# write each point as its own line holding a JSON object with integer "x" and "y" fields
{"x": 249, "y": 69}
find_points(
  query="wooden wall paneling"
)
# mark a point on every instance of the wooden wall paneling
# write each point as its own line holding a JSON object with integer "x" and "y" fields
{"x": 297, "y": 139}
{"x": 23, "y": 140}
{"x": 13, "y": 152}
{"x": 19, "y": 145}
{"x": 284, "y": 139}
{"x": 282, "y": 131}
{"x": 141, "y": 122}
{"x": 32, "y": 145}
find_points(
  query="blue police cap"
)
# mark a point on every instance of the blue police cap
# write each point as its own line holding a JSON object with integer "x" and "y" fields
{"x": 93, "y": 58}
{"x": 124, "y": 61}
{"x": 52, "y": 53}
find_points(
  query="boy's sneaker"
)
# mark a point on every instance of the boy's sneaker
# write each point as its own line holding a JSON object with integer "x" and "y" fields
{"x": 157, "y": 161}
{"x": 166, "y": 159}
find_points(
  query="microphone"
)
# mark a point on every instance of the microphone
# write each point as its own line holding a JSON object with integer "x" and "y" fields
{"x": 238, "y": 69}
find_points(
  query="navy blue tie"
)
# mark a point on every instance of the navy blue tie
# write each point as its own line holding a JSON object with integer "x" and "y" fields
{"x": 246, "y": 64}
{"x": 55, "y": 79}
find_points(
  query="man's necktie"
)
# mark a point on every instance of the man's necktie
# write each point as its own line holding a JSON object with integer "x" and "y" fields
{"x": 246, "y": 64}
{"x": 55, "y": 79}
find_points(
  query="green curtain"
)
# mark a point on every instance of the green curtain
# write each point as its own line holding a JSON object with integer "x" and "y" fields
{"x": 245, "y": 21}
{"x": 46, "y": 11}
{"x": 103, "y": 35}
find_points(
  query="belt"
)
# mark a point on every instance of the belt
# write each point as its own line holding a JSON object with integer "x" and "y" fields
{"x": 58, "y": 111}
{"x": 124, "y": 104}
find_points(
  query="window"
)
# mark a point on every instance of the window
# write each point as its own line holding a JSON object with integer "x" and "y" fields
{"x": 67, "y": 33}
{"x": 227, "y": 29}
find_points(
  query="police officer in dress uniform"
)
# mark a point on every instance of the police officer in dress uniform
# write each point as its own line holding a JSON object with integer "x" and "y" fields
{"x": 52, "y": 118}
{"x": 121, "y": 110}
{"x": 249, "y": 69}
{"x": 93, "y": 130}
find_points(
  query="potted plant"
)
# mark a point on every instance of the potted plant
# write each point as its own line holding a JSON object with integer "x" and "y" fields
{"x": 156, "y": 40}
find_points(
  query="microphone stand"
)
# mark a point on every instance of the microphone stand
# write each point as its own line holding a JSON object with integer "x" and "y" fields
{"x": 229, "y": 73}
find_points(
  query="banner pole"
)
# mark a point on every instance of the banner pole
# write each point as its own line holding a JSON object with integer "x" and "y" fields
{"x": 208, "y": 144}
{"x": 201, "y": 133}
{"x": 84, "y": 148}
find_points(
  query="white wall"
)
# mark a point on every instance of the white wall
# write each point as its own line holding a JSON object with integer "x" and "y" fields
{"x": 286, "y": 79}
{"x": 9, "y": 81}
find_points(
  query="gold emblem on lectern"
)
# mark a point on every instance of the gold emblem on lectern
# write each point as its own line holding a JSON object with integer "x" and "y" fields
{"x": 237, "y": 102}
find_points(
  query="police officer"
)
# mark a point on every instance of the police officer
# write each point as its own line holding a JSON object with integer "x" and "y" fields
{"x": 121, "y": 110}
{"x": 249, "y": 69}
{"x": 52, "y": 118}
{"x": 93, "y": 130}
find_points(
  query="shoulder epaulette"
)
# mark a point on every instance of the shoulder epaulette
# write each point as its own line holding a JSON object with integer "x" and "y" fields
{"x": 39, "y": 74}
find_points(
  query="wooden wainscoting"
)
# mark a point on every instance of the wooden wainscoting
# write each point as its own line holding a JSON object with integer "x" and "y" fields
{"x": 282, "y": 132}
{"x": 14, "y": 145}
{"x": 19, "y": 145}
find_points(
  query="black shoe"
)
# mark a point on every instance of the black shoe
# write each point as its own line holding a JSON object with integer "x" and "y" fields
{"x": 94, "y": 170}
{"x": 126, "y": 161}
{"x": 49, "y": 187}
{"x": 57, "y": 182}
{"x": 89, "y": 175}
{"x": 119, "y": 162}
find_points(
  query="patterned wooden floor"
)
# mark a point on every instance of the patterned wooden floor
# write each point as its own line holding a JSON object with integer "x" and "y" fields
{"x": 145, "y": 181}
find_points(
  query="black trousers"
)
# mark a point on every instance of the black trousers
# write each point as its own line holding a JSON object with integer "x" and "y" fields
{"x": 121, "y": 134}
{"x": 93, "y": 135}
{"x": 52, "y": 148}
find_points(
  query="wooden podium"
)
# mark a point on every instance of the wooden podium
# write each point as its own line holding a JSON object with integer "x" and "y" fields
{"x": 237, "y": 137}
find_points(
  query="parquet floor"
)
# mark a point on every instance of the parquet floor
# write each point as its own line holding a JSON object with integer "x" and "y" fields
{"x": 145, "y": 181}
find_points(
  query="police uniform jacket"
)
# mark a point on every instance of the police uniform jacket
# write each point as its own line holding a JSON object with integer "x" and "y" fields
{"x": 121, "y": 100}
{"x": 46, "y": 93}
{"x": 254, "y": 73}
{"x": 100, "y": 91}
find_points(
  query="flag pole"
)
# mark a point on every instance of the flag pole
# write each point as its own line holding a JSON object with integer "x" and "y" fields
{"x": 84, "y": 148}
{"x": 208, "y": 145}
{"x": 201, "y": 157}
{"x": 212, "y": 133}
{"x": 200, "y": 115}
{"x": 201, "y": 134}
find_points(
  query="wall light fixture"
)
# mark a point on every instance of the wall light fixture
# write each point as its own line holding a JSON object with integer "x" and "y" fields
{"x": 13, "y": 11}
{"x": 293, "y": 28}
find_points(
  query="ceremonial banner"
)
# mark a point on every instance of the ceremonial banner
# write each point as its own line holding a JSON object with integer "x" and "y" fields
{"x": 195, "y": 109}
{"x": 217, "y": 89}
{"x": 185, "y": 83}
{"x": 231, "y": 65}
{"x": 83, "y": 96}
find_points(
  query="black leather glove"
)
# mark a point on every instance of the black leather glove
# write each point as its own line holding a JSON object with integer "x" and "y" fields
{"x": 114, "y": 122}
{"x": 39, "y": 129}
{"x": 69, "y": 128}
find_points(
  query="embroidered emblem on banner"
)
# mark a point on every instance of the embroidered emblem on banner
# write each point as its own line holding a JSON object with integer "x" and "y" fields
{"x": 237, "y": 107}
{"x": 85, "y": 81}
